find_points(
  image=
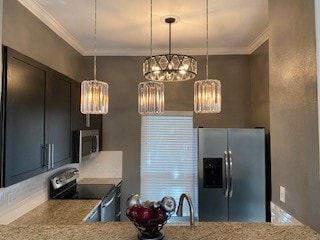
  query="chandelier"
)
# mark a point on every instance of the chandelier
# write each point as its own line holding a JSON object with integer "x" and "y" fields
{"x": 169, "y": 67}
{"x": 94, "y": 94}
{"x": 207, "y": 93}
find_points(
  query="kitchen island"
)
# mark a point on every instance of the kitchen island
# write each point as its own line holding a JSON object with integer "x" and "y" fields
{"x": 66, "y": 222}
{"x": 125, "y": 230}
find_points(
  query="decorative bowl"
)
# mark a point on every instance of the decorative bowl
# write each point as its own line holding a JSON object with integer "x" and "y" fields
{"x": 149, "y": 228}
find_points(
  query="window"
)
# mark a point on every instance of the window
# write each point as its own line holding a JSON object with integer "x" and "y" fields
{"x": 169, "y": 158}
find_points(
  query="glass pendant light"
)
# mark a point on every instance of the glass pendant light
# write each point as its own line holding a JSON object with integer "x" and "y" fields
{"x": 170, "y": 67}
{"x": 151, "y": 98}
{"x": 94, "y": 94}
{"x": 150, "y": 94}
{"x": 207, "y": 93}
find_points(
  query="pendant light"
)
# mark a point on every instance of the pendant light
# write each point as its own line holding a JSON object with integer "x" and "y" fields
{"x": 170, "y": 67}
{"x": 150, "y": 94}
{"x": 207, "y": 93}
{"x": 94, "y": 94}
{"x": 151, "y": 98}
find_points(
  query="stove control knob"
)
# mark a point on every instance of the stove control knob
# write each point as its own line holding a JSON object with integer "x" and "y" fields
{"x": 59, "y": 180}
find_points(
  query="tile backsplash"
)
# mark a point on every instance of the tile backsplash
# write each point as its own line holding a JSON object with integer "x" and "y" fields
{"x": 107, "y": 164}
{"x": 279, "y": 216}
{"x": 20, "y": 198}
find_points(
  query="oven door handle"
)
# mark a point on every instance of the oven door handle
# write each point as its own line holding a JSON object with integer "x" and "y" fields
{"x": 109, "y": 202}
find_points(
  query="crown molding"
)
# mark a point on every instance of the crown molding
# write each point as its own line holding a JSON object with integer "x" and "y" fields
{"x": 187, "y": 51}
{"x": 264, "y": 36}
{"x": 34, "y": 7}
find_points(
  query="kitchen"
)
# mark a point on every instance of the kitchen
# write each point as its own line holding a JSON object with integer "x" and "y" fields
{"x": 293, "y": 145}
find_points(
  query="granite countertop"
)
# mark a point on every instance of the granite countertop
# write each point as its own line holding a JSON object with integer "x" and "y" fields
{"x": 126, "y": 231}
{"x": 63, "y": 219}
{"x": 114, "y": 181}
{"x": 58, "y": 212}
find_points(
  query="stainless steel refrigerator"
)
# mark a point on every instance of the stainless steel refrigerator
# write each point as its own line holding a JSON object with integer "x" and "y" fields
{"x": 231, "y": 175}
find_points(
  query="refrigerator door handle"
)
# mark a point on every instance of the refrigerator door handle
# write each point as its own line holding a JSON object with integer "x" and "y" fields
{"x": 230, "y": 175}
{"x": 226, "y": 172}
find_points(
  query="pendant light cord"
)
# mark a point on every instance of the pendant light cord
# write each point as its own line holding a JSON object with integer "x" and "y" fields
{"x": 95, "y": 42}
{"x": 207, "y": 25}
{"x": 150, "y": 28}
{"x": 170, "y": 38}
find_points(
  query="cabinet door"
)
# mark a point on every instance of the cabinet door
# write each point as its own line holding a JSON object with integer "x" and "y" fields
{"x": 248, "y": 201}
{"x": 78, "y": 119}
{"x": 24, "y": 119}
{"x": 58, "y": 112}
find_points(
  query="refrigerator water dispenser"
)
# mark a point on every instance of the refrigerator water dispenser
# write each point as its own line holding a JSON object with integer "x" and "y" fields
{"x": 212, "y": 169}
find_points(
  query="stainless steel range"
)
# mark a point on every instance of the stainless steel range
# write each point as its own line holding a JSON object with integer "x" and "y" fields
{"x": 63, "y": 185}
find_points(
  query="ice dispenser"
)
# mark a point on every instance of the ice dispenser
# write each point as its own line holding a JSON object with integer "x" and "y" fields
{"x": 212, "y": 169}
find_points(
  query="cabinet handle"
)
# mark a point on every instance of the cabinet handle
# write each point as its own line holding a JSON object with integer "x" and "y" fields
{"x": 47, "y": 152}
{"x": 52, "y": 156}
{"x": 44, "y": 155}
{"x": 108, "y": 203}
{"x": 49, "y": 156}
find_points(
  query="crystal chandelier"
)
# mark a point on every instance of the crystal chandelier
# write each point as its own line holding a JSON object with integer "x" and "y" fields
{"x": 207, "y": 93}
{"x": 151, "y": 93}
{"x": 169, "y": 67}
{"x": 94, "y": 94}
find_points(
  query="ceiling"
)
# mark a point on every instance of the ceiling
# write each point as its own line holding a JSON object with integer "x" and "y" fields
{"x": 123, "y": 26}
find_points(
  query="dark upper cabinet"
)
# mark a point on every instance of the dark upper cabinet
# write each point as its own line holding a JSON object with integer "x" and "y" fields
{"x": 36, "y": 118}
{"x": 58, "y": 118}
{"x": 24, "y": 117}
{"x": 78, "y": 119}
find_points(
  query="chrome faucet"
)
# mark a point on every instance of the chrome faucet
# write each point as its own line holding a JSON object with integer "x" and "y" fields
{"x": 180, "y": 207}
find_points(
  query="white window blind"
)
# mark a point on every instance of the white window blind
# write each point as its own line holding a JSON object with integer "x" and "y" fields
{"x": 169, "y": 158}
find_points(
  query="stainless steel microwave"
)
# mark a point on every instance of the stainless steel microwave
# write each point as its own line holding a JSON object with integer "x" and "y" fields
{"x": 85, "y": 144}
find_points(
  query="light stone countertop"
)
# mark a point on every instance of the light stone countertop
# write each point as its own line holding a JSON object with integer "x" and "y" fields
{"x": 62, "y": 219}
{"x": 126, "y": 231}
{"x": 114, "y": 181}
{"x": 58, "y": 212}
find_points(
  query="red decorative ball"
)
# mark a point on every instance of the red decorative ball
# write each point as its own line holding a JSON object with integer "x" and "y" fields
{"x": 134, "y": 212}
{"x": 145, "y": 213}
{"x": 160, "y": 215}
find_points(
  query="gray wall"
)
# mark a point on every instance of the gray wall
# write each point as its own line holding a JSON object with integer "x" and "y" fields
{"x": 25, "y": 33}
{"x": 259, "y": 66}
{"x": 293, "y": 108}
{"x": 234, "y": 73}
{"x": 121, "y": 126}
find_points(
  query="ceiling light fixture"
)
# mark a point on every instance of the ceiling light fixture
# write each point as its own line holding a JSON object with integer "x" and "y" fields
{"x": 207, "y": 93}
{"x": 169, "y": 67}
{"x": 94, "y": 94}
{"x": 151, "y": 98}
{"x": 150, "y": 94}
